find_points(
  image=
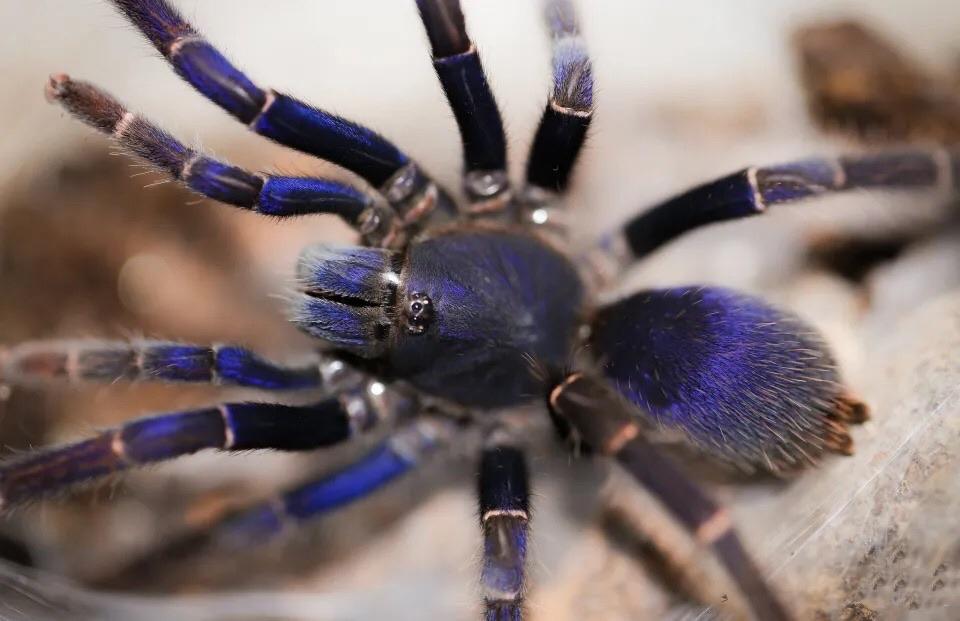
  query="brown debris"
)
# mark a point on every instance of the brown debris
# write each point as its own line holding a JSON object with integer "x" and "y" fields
{"x": 858, "y": 82}
{"x": 857, "y": 612}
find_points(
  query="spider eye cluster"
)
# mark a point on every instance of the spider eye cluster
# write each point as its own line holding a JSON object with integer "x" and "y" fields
{"x": 418, "y": 313}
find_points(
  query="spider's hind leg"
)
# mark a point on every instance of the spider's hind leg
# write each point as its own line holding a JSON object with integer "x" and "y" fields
{"x": 403, "y": 451}
{"x": 272, "y": 195}
{"x": 752, "y": 191}
{"x": 608, "y": 426}
{"x": 504, "y": 493}
{"x": 225, "y": 427}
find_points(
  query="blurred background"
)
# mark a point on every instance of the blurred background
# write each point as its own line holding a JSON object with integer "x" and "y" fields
{"x": 685, "y": 91}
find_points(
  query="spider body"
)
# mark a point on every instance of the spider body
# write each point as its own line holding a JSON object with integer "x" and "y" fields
{"x": 506, "y": 306}
{"x": 472, "y": 314}
{"x": 468, "y": 302}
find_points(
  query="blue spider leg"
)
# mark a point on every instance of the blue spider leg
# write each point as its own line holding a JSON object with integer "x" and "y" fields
{"x": 396, "y": 456}
{"x": 566, "y": 119}
{"x": 226, "y": 427}
{"x": 504, "y": 494}
{"x": 344, "y": 294}
{"x": 606, "y": 424}
{"x": 402, "y": 452}
{"x": 282, "y": 118}
{"x": 35, "y": 362}
{"x": 751, "y": 191}
{"x": 271, "y": 195}
{"x": 461, "y": 74}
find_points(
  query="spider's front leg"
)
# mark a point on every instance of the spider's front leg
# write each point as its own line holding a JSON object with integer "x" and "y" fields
{"x": 751, "y": 191}
{"x": 282, "y": 118}
{"x": 606, "y": 424}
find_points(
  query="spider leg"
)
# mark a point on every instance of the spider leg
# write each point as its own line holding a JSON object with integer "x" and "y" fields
{"x": 404, "y": 450}
{"x": 272, "y": 195}
{"x": 282, "y": 118}
{"x": 504, "y": 495}
{"x": 226, "y": 427}
{"x": 394, "y": 457}
{"x": 458, "y": 66}
{"x": 35, "y": 362}
{"x": 749, "y": 192}
{"x": 607, "y": 425}
{"x": 566, "y": 119}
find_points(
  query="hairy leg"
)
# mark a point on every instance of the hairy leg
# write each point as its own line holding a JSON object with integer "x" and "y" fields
{"x": 504, "y": 493}
{"x": 226, "y": 427}
{"x": 401, "y": 453}
{"x": 272, "y": 195}
{"x": 282, "y": 118}
{"x": 751, "y": 191}
{"x": 461, "y": 75}
{"x": 606, "y": 424}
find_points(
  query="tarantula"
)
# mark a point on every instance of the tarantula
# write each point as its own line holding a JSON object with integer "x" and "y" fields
{"x": 455, "y": 312}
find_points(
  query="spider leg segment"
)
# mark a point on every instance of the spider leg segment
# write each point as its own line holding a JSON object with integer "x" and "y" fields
{"x": 563, "y": 126}
{"x": 36, "y": 362}
{"x": 458, "y": 66}
{"x": 751, "y": 191}
{"x": 227, "y": 427}
{"x": 267, "y": 194}
{"x": 282, "y": 118}
{"x": 606, "y": 424}
{"x": 396, "y": 456}
{"x": 504, "y": 493}
{"x": 403, "y": 451}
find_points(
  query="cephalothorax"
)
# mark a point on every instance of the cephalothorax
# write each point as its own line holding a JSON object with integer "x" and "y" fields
{"x": 453, "y": 311}
{"x": 470, "y": 314}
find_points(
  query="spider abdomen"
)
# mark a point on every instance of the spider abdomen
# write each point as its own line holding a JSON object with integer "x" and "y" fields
{"x": 743, "y": 380}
